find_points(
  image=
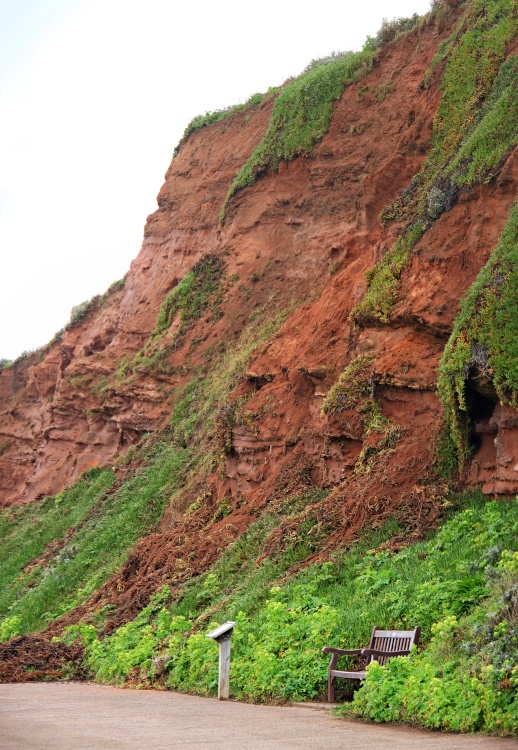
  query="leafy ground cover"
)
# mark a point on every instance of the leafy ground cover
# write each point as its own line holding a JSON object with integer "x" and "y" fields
{"x": 461, "y": 586}
{"x": 210, "y": 118}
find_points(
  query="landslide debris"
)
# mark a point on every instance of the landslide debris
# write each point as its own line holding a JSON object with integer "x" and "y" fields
{"x": 30, "y": 657}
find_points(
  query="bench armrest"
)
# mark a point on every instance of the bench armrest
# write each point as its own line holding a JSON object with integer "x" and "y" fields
{"x": 340, "y": 651}
{"x": 374, "y": 652}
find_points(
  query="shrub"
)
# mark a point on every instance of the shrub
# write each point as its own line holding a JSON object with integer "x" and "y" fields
{"x": 9, "y": 628}
{"x": 80, "y": 311}
{"x": 326, "y": 60}
{"x": 390, "y": 30}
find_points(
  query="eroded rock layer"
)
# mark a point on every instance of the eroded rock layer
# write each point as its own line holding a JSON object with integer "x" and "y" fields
{"x": 300, "y": 241}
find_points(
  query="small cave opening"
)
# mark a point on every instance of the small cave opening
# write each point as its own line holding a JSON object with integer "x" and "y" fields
{"x": 481, "y": 400}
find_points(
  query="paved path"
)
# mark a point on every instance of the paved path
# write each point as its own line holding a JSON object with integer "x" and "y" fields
{"x": 74, "y": 716}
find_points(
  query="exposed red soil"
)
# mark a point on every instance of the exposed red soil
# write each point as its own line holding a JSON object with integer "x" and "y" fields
{"x": 317, "y": 215}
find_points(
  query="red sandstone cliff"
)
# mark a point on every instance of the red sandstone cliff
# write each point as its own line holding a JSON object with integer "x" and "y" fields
{"x": 306, "y": 233}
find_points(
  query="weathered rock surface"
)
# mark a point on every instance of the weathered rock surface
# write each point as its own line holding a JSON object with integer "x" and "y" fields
{"x": 307, "y": 233}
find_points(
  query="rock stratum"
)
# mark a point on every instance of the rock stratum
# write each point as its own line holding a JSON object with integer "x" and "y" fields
{"x": 326, "y": 387}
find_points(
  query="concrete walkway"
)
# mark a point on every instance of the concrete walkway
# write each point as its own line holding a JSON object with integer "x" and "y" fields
{"x": 74, "y": 716}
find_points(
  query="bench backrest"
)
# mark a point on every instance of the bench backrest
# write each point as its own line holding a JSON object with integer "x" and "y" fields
{"x": 392, "y": 640}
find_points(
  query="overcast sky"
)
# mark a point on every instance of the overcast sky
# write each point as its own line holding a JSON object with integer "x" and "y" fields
{"x": 94, "y": 96}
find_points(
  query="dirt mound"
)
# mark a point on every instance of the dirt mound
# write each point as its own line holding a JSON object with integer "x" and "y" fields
{"x": 30, "y": 657}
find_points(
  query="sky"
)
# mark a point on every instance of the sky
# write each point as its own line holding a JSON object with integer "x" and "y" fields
{"x": 94, "y": 96}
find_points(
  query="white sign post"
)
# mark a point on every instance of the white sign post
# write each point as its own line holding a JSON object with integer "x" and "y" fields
{"x": 222, "y": 637}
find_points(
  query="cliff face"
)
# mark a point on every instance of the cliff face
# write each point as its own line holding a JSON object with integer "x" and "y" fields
{"x": 299, "y": 240}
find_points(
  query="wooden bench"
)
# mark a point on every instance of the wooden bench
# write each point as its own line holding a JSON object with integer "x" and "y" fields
{"x": 384, "y": 645}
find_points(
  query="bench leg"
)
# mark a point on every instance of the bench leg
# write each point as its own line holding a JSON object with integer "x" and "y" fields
{"x": 330, "y": 679}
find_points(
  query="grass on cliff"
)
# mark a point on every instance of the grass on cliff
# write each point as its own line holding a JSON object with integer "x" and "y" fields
{"x": 475, "y": 128}
{"x": 190, "y": 298}
{"x": 495, "y": 131}
{"x": 354, "y": 392}
{"x": 210, "y": 118}
{"x": 383, "y": 280}
{"x": 187, "y": 302}
{"x": 303, "y": 107}
{"x": 472, "y": 67}
{"x": 461, "y": 586}
{"x": 484, "y": 336}
{"x": 57, "y": 552}
{"x": 301, "y": 116}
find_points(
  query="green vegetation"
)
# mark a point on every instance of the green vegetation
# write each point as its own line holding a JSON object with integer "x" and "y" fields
{"x": 472, "y": 67}
{"x": 303, "y": 106}
{"x": 191, "y": 296}
{"x": 389, "y": 31}
{"x": 194, "y": 420}
{"x": 29, "y": 534}
{"x": 81, "y": 311}
{"x": 301, "y": 116}
{"x": 57, "y": 552}
{"x": 354, "y": 392}
{"x": 475, "y": 128}
{"x": 484, "y": 336}
{"x": 353, "y": 387}
{"x": 210, "y": 118}
{"x": 467, "y": 678}
{"x": 495, "y": 133}
{"x": 460, "y": 585}
{"x": 189, "y": 300}
{"x": 383, "y": 279}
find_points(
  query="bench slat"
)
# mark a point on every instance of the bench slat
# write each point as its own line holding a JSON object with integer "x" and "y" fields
{"x": 349, "y": 675}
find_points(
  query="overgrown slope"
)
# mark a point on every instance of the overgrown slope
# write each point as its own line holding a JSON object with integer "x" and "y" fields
{"x": 286, "y": 412}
